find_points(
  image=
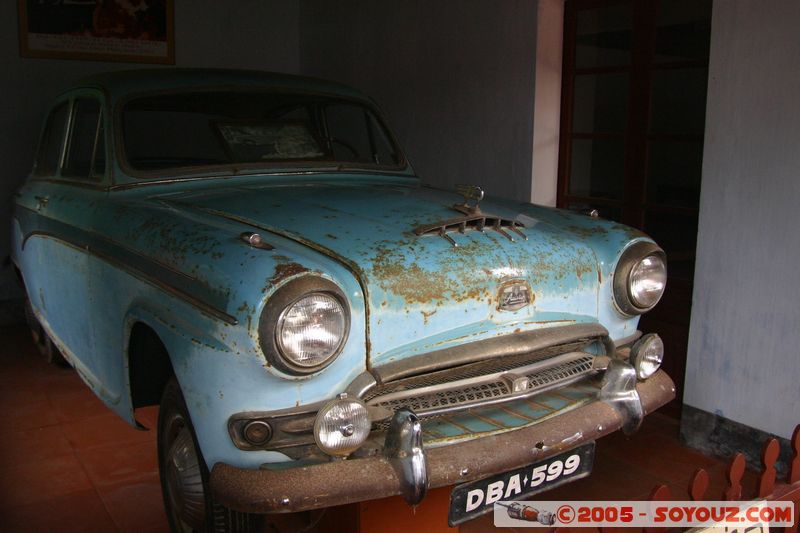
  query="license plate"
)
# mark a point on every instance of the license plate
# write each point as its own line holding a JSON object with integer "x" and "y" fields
{"x": 478, "y": 497}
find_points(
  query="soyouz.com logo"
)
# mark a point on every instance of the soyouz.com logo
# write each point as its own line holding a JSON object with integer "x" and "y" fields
{"x": 643, "y": 514}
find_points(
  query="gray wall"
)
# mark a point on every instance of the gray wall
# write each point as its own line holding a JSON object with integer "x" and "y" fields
{"x": 454, "y": 77}
{"x": 744, "y": 360}
{"x": 257, "y": 34}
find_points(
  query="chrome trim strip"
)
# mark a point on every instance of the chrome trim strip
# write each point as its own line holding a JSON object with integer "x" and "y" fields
{"x": 174, "y": 291}
{"x": 322, "y": 172}
{"x": 132, "y": 261}
{"x": 469, "y": 382}
{"x": 437, "y": 411}
{"x": 507, "y": 345}
{"x": 95, "y": 186}
{"x": 359, "y": 387}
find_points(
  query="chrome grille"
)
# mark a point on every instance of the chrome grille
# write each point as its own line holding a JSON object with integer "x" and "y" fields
{"x": 435, "y": 399}
{"x": 560, "y": 373}
{"x": 480, "y": 368}
{"x": 476, "y": 393}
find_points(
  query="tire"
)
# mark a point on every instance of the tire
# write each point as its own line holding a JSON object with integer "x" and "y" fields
{"x": 184, "y": 475}
{"x": 42, "y": 340}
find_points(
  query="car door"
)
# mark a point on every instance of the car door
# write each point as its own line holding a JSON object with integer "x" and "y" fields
{"x": 56, "y": 210}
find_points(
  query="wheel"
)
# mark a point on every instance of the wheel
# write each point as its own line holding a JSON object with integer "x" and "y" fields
{"x": 42, "y": 340}
{"x": 188, "y": 501}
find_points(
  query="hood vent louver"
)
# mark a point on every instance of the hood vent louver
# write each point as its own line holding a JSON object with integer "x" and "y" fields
{"x": 479, "y": 221}
{"x": 472, "y": 219}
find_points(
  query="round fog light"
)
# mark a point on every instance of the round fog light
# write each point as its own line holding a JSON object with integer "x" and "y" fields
{"x": 342, "y": 426}
{"x": 257, "y": 432}
{"x": 647, "y": 354}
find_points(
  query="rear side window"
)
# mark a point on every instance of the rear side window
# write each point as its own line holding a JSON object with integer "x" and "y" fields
{"x": 49, "y": 155}
{"x": 86, "y": 150}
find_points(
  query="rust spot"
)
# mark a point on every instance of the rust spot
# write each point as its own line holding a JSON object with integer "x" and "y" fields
{"x": 286, "y": 270}
{"x": 426, "y": 316}
{"x": 420, "y": 285}
{"x": 583, "y": 268}
{"x": 587, "y": 231}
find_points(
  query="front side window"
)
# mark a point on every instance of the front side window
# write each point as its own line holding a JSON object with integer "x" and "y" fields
{"x": 230, "y": 128}
{"x": 85, "y": 157}
{"x": 49, "y": 157}
{"x": 355, "y": 134}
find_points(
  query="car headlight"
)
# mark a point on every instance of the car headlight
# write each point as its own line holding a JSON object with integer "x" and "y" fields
{"x": 342, "y": 426}
{"x": 304, "y": 325}
{"x": 640, "y": 278}
{"x": 311, "y": 330}
{"x": 648, "y": 279}
{"x": 647, "y": 354}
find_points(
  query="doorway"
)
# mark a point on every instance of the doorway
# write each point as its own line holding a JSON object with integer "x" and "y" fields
{"x": 632, "y": 120}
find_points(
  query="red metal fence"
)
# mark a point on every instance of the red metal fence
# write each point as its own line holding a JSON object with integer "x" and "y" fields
{"x": 768, "y": 487}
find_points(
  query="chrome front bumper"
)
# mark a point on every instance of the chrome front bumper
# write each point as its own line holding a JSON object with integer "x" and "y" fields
{"x": 407, "y": 469}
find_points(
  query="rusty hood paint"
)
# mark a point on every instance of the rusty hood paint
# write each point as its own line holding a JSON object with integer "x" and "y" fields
{"x": 422, "y": 292}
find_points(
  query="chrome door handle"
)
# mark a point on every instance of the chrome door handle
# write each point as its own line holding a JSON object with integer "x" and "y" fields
{"x": 41, "y": 202}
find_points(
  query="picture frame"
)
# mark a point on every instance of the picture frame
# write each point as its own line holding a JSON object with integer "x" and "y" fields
{"x": 136, "y": 31}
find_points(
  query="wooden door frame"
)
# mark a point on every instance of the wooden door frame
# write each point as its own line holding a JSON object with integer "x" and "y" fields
{"x": 634, "y": 204}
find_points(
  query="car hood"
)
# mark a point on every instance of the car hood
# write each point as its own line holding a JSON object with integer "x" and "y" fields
{"x": 423, "y": 293}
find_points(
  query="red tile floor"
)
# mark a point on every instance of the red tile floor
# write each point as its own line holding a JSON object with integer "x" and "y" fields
{"x": 67, "y": 463}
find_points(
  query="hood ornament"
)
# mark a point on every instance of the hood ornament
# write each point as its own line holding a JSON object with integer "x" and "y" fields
{"x": 469, "y": 192}
{"x": 472, "y": 219}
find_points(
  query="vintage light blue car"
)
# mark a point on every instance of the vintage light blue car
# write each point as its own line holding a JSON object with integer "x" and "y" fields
{"x": 254, "y": 253}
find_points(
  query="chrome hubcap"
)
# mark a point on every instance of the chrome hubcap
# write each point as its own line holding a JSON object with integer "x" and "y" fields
{"x": 185, "y": 482}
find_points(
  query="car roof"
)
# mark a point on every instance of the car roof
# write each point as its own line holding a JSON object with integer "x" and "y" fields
{"x": 119, "y": 84}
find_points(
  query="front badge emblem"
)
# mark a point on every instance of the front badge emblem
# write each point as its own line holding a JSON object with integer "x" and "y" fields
{"x": 514, "y": 296}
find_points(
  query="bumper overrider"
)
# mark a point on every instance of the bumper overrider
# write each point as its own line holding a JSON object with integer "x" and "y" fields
{"x": 407, "y": 468}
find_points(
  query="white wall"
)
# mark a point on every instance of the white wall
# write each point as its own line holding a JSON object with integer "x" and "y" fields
{"x": 454, "y": 77}
{"x": 744, "y": 346}
{"x": 547, "y": 106}
{"x": 257, "y": 34}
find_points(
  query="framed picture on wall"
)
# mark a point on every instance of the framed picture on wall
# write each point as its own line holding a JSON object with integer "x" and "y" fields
{"x": 140, "y": 31}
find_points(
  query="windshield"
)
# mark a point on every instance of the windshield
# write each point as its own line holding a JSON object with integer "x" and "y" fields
{"x": 198, "y": 129}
